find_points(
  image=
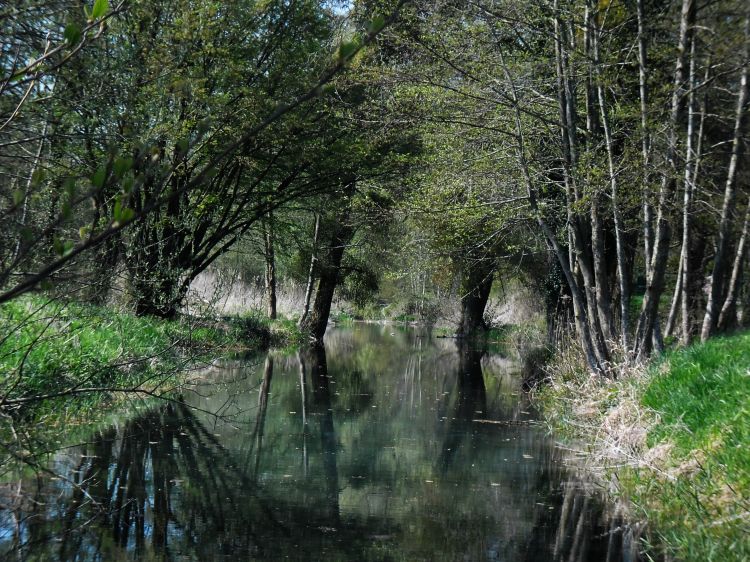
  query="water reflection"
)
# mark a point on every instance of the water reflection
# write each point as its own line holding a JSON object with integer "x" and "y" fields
{"x": 321, "y": 409}
{"x": 385, "y": 445}
{"x": 470, "y": 404}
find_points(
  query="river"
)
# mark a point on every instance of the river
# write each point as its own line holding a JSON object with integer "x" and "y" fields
{"x": 387, "y": 445}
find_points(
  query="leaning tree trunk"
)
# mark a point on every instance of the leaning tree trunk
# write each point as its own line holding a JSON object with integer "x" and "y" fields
{"x": 729, "y": 309}
{"x": 579, "y": 306}
{"x": 475, "y": 292}
{"x": 580, "y": 242}
{"x": 329, "y": 267}
{"x": 728, "y": 207}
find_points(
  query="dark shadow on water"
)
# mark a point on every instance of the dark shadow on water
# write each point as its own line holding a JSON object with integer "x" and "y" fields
{"x": 470, "y": 404}
{"x": 314, "y": 359}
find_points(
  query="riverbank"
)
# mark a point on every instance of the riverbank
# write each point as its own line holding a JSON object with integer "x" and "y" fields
{"x": 673, "y": 439}
{"x": 65, "y": 364}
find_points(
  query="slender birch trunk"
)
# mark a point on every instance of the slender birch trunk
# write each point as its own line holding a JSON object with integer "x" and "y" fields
{"x": 676, "y": 300}
{"x": 680, "y": 299}
{"x": 655, "y": 280}
{"x": 648, "y": 213}
{"x": 268, "y": 239}
{"x": 616, "y": 210}
{"x": 728, "y": 207}
{"x": 734, "y": 281}
{"x": 311, "y": 270}
{"x": 687, "y": 201}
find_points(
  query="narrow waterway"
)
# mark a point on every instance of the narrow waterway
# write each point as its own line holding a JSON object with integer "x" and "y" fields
{"x": 386, "y": 445}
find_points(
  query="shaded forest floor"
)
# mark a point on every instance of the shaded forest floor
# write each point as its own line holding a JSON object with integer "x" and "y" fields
{"x": 673, "y": 439}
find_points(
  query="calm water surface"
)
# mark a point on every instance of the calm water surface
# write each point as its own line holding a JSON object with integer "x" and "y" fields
{"x": 385, "y": 445}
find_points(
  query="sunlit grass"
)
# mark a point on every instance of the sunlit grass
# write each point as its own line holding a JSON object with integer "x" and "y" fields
{"x": 677, "y": 435}
{"x": 702, "y": 399}
{"x": 48, "y": 346}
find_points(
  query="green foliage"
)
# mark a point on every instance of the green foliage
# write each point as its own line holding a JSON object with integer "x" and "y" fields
{"x": 252, "y": 326}
{"x": 348, "y": 48}
{"x": 342, "y": 317}
{"x": 99, "y": 9}
{"x": 72, "y": 34}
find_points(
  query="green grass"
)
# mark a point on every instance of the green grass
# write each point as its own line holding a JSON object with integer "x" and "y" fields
{"x": 704, "y": 390}
{"x": 49, "y": 346}
{"x": 285, "y": 333}
{"x": 702, "y": 398}
{"x": 62, "y": 365}
{"x": 693, "y": 483}
{"x": 406, "y": 318}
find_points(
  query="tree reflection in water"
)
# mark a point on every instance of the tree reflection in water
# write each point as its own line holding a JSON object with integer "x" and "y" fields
{"x": 470, "y": 404}
{"x": 385, "y": 449}
{"x": 321, "y": 408}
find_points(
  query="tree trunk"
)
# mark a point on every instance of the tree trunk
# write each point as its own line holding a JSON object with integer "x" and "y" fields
{"x": 648, "y": 212}
{"x": 622, "y": 270}
{"x": 683, "y": 273}
{"x": 728, "y": 310}
{"x": 594, "y": 130}
{"x": 655, "y": 280}
{"x": 676, "y": 300}
{"x": 569, "y": 141}
{"x": 329, "y": 268}
{"x": 107, "y": 258}
{"x": 154, "y": 298}
{"x": 728, "y": 207}
{"x": 311, "y": 271}
{"x": 691, "y": 179}
{"x": 599, "y": 259}
{"x": 475, "y": 291}
{"x": 268, "y": 239}
{"x": 579, "y": 306}
{"x": 558, "y": 304}
{"x": 155, "y": 281}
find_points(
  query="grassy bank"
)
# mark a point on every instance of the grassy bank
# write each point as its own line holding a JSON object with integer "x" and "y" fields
{"x": 62, "y": 350}
{"x": 676, "y": 438}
